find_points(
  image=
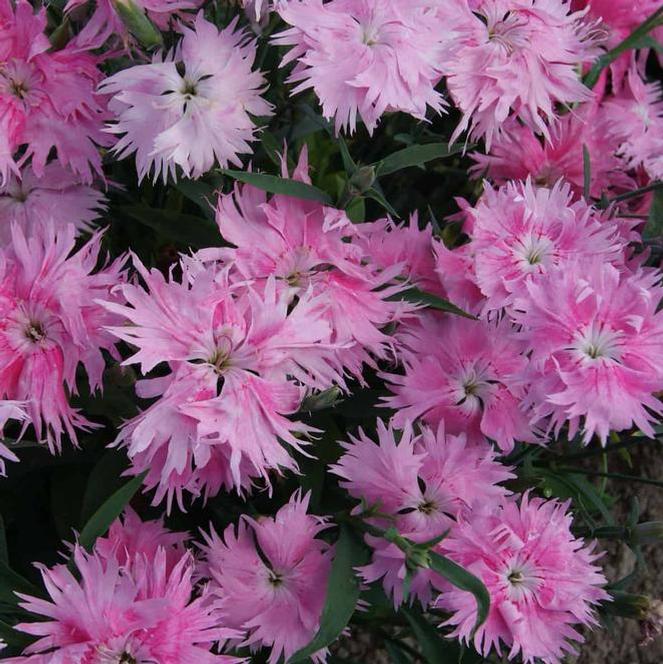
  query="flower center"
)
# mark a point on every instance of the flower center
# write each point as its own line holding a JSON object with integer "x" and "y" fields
{"x": 506, "y": 31}
{"x": 18, "y": 88}
{"x": 428, "y": 506}
{"x": 533, "y": 251}
{"x": 35, "y": 332}
{"x": 126, "y": 658}
{"x": 189, "y": 88}
{"x": 597, "y": 341}
{"x": 275, "y": 579}
{"x": 522, "y": 579}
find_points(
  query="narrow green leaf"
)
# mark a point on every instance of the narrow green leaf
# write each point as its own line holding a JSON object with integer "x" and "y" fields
{"x": 187, "y": 229}
{"x": 464, "y": 580}
{"x": 587, "y": 172}
{"x": 417, "y": 296}
{"x": 104, "y": 479}
{"x": 108, "y": 512}
{"x": 277, "y": 185}
{"x": 654, "y": 227}
{"x": 577, "y": 488}
{"x": 633, "y": 41}
{"x": 11, "y": 581}
{"x": 378, "y": 197}
{"x": 415, "y": 155}
{"x": 342, "y": 593}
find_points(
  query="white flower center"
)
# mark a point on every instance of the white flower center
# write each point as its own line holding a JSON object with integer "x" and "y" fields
{"x": 522, "y": 579}
{"x": 597, "y": 342}
{"x": 533, "y": 251}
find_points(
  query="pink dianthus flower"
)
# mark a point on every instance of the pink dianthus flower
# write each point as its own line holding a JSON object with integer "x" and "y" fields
{"x": 142, "y": 612}
{"x": 596, "y": 342}
{"x": 271, "y": 575}
{"x": 518, "y": 154}
{"x": 365, "y": 57}
{"x": 466, "y": 373}
{"x": 193, "y": 119}
{"x": 542, "y": 581}
{"x": 520, "y": 57}
{"x": 240, "y": 361}
{"x": 48, "y": 98}
{"x": 519, "y": 232}
{"x": 50, "y": 323}
{"x": 423, "y": 483}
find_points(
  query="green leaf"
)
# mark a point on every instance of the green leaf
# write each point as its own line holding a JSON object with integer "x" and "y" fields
{"x": 108, "y": 512}
{"x": 581, "y": 491}
{"x": 434, "y": 647}
{"x": 464, "y": 580}
{"x": 417, "y": 296}
{"x": 277, "y": 185}
{"x": 633, "y": 41}
{"x": 186, "y": 229}
{"x": 587, "y": 172}
{"x": 356, "y": 210}
{"x": 342, "y": 593}
{"x": 377, "y": 195}
{"x": 654, "y": 227}
{"x": 11, "y": 581}
{"x": 415, "y": 155}
{"x": 104, "y": 479}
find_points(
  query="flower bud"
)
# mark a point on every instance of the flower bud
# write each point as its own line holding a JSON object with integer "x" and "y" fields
{"x": 138, "y": 24}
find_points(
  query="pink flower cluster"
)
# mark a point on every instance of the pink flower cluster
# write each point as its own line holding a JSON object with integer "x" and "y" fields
{"x": 143, "y": 595}
{"x": 559, "y": 332}
{"x": 246, "y": 333}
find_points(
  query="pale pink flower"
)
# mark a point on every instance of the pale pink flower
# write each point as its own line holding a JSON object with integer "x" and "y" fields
{"x": 518, "y": 154}
{"x": 519, "y": 232}
{"x": 141, "y": 612}
{"x": 50, "y": 324}
{"x": 634, "y": 119}
{"x": 9, "y": 410}
{"x": 105, "y": 22}
{"x": 308, "y": 246}
{"x": 240, "y": 361}
{"x": 129, "y": 536}
{"x": 193, "y": 119}
{"x": 521, "y": 57}
{"x": 365, "y": 57}
{"x": 543, "y": 582}
{"x": 47, "y": 98}
{"x": 466, "y": 373}
{"x": 419, "y": 485}
{"x": 58, "y": 197}
{"x": 596, "y": 340}
{"x": 271, "y": 575}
